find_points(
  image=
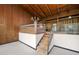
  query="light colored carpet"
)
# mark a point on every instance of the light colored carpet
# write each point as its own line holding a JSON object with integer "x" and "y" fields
{"x": 16, "y": 48}
{"x": 59, "y": 51}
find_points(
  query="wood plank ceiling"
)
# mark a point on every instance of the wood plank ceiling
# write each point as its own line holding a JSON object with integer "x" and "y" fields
{"x": 46, "y": 10}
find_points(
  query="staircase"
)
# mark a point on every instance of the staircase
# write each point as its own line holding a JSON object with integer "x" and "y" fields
{"x": 42, "y": 48}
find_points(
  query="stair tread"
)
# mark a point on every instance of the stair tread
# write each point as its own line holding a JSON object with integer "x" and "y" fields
{"x": 43, "y": 46}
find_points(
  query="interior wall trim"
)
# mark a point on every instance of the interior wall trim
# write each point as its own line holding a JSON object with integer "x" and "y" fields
{"x": 27, "y": 45}
{"x": 50, "y": 50}
{"x": 39, "y": 42}
{"x": 66, "y": 48}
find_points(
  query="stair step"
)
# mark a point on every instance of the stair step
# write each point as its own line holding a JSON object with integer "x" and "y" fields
{"x": 43, "y": 45}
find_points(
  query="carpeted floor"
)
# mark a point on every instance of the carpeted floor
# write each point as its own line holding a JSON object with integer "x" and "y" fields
{"x": 60, "y": 51}
{"x": 16, "y": 48}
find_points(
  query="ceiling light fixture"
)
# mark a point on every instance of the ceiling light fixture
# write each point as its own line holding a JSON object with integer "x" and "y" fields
{"x": 70, "y": 17}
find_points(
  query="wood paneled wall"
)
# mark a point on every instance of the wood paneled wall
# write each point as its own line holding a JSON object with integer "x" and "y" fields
{"x": 11, "y": 17}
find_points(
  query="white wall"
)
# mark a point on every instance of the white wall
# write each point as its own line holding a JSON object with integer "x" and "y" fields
{"x": 30, "y": 39}
{"x": 67, "y": 41}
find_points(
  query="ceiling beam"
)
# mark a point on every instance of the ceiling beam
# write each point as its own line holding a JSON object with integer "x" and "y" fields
{"x": 34, "y": 11}
{"x": 42, "y": 10}
{"x": 24, "y": 8}
{"x": 66, "y": 17}
{"x": 63, "y": 14}
{"x": 49, "y": 9}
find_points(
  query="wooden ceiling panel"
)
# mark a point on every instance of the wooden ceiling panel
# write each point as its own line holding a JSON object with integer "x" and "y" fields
{"x": 41, "y": 10}
{"x": 54, "y": 8}
{"x": 38, "y": 10}
{"x": 31, "y": 10}
{"x": 46, "y": 10}
{"x": 35, "y": 10}
{"x": 49, "y": 10}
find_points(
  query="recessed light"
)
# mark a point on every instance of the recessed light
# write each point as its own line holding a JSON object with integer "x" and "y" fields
{"x": 69, "y": 17}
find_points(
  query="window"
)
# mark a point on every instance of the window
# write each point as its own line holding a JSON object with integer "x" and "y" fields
{"x": 70, "y": 26}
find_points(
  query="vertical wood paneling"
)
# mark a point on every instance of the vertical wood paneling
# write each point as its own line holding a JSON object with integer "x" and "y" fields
{"x": 11, "y": 17}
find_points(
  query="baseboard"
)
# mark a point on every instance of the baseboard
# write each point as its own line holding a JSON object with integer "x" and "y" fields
{"x": 66, "y": 48}
{"x": 8, "y": 42}
{"x": 27, "y": 45}
{"x": 50, "y": 50}
{"x": 39, "y": 41}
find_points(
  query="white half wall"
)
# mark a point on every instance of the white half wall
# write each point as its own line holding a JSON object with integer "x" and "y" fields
{"x": 30, "y": 39}
{"x": 67, "y": 41}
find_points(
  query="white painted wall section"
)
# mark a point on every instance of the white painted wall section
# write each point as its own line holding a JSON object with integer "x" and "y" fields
{"x": 30, "y": 39}
{"x": 67, "y": 41}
